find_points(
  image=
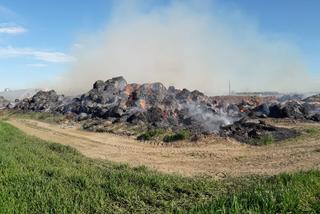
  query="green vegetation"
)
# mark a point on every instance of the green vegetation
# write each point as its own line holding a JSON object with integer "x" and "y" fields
{"x": 182, "y": 135}
{"x": 41, "y": 177}
{"x": 297, "y": 193}
{"x": 312, "y": 131}
{"x": 151, "y": 134}
{"x": 264, "y": 140}
{"x": 161, "y": 133}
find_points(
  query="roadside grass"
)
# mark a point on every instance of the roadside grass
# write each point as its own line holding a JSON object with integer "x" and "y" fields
{"x": 41, "y": 177}
{"x": 5, "y": 114}
{"x": 285, "y": 193}
{"x": 41, "y": 116}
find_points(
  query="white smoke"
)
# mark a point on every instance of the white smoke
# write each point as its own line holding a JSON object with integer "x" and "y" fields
{"x": 189, "y": 44}
{"x": 207, "y": 119}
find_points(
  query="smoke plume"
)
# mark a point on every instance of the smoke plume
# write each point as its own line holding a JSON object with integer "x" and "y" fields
{"x": 187, "y": 44}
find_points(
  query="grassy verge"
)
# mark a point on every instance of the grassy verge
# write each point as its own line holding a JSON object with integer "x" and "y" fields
{"x": 41, "y": 116}
{"x": 284, "y": 193}
{"x": 41, "y": 177}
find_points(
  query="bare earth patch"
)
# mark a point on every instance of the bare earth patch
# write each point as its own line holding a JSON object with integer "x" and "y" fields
{"x": 215, "y": 157}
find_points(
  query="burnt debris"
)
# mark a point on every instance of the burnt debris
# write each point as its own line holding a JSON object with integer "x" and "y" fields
{"x": 256, "y": 132}
{"x": 152, "y": 106}
{"x": 297, "y": 110}
{"x": 3, "y": 103}
{"x": 43, "y": 101}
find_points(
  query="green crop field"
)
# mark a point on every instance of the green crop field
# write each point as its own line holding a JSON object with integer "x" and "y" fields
{"x": 42, "y": 177}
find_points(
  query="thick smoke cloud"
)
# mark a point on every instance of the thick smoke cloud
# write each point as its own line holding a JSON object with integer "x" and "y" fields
{"x": 190, "y": 45}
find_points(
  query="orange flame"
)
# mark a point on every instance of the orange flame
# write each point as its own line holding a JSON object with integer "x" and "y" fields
{"x": 142, "y": 104}
{"x": 128, "y": 91}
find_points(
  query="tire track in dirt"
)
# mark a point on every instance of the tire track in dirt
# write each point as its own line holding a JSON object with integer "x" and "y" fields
{"x": 214, "y": 157}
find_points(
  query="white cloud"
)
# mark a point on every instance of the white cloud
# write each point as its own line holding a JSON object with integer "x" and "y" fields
{"x": 12, "y": 29}
{"x": 46, "y": 56}
{"x": 37, "y": 65}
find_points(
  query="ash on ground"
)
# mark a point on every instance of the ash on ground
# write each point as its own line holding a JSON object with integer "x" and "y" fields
{"x": 257, "y": 132}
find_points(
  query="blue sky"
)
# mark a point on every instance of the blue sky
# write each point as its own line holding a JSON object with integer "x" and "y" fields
{"x": 37, "y": 36}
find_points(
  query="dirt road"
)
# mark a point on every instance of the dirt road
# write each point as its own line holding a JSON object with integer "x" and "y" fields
{"x": 216, "y": 157}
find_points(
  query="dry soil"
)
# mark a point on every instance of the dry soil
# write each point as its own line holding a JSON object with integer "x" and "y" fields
{"x": 214, "y": 156}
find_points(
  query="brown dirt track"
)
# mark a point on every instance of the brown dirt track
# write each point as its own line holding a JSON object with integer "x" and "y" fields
{"x": 215, "y": 157}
